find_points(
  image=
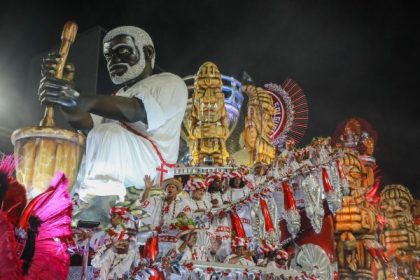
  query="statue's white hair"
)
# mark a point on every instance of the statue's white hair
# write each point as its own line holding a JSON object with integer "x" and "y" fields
{"x": 141, "y": 37}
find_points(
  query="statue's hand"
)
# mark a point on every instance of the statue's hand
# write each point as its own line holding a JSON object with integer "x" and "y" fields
{"x": 57, "y": 91}
{"x": 355, "y": 219}
{"x": 49, "y": 66}
{"x": 208, "y": 130}
{"x": 403, "y": 239}
{"x": 348, "y": 219}
{"x": 396, "y": 239}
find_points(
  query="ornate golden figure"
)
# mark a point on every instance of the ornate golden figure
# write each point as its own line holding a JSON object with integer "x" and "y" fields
{"x": 356, "y": 224}
{"x": 401, "y": 236}
{"x": 357, "y": 134}
{"x": 364, "y": 144}
{"x": 259, "y": 125}
{"x": 209, "y": 123}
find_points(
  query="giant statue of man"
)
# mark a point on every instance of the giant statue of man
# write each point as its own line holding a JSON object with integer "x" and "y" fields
{"x": 138, "y": 132}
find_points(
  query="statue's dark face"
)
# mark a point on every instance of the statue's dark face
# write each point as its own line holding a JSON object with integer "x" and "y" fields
{"x": 125, "y": 61}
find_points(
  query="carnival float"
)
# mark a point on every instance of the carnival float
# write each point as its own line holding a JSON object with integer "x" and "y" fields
{"x": 243, "y": 201}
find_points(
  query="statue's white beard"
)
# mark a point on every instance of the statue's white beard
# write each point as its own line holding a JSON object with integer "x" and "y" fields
{"x": 131, "y": 73}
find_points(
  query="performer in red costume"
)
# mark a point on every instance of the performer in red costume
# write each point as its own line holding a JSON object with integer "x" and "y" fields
{"x": 34, "y": 241}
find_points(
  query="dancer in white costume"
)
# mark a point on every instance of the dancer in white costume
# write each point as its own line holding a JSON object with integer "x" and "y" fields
{"x": 198, "y": 200}
{"x": 215, "y": 182}
{"x": 238, "y": 190}
{"x": 241, "y": 254}
{"x": 164, "y": 210}
{"x": 139, "y": 131}
{"x": 189, "y": 248}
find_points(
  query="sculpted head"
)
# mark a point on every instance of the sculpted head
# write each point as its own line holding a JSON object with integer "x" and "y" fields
{"x": 396, "y": 201}
{"x": 208, "y": 96}
{"x": 129, "y": 53}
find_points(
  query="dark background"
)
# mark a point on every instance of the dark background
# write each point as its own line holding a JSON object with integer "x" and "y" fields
{"x": 352, "y": 58}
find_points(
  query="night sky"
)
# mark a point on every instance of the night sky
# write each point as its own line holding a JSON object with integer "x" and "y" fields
{"x": 352, "y": 58}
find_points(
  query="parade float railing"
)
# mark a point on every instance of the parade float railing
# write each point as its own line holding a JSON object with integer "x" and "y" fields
{"x": 302, "y": 171}
{"x": 196, "y": 170}
{"x": 223, "y": 269}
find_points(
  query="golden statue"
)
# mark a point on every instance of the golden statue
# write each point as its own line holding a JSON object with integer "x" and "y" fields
{"x": 401, "y": 236}
{"x": 209, "y": 123}
{"x": 356, "y": 225}
{"x": 259, "y": 125}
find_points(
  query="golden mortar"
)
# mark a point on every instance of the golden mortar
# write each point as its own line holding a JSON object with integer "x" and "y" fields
{"x": 43, "y": 151}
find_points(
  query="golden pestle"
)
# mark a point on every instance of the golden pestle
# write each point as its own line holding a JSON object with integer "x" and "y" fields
{"x": 45, "y": 149}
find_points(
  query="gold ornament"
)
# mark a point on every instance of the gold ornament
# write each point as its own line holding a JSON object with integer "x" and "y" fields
{"x": 209, "y": 123}
{"x": 400, "y": 236}
{"x": 259, "y": 125}
{"x": 356, "y": 224}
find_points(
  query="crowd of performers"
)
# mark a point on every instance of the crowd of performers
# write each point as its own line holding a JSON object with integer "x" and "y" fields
{"x": 218, "y": 225}
{"x": 220, "y": 217}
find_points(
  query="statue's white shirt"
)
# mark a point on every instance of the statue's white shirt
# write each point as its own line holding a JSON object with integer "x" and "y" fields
{"x": 117, "y": 158}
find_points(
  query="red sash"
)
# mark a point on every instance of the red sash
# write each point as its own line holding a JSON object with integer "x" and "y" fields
{"x": 163, "y": 162}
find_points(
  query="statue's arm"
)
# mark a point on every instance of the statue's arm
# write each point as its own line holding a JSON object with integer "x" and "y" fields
{"x": 77, "y": 119}
{"x": 76, "y": 107}
{"x": 125, "y": 109}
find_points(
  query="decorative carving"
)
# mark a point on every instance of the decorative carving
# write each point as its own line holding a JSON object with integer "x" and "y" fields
{"x": 356, "y": 134}
{"x": 355, "y": 226}
{"x": 259, "y": 125}
{"x": 400, "y": 236}
{"x": 313, "y": 202}
{"x": 209, "y": 123}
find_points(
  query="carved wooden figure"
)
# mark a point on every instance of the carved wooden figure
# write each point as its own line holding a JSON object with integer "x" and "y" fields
{"x": 209, "y": 123}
